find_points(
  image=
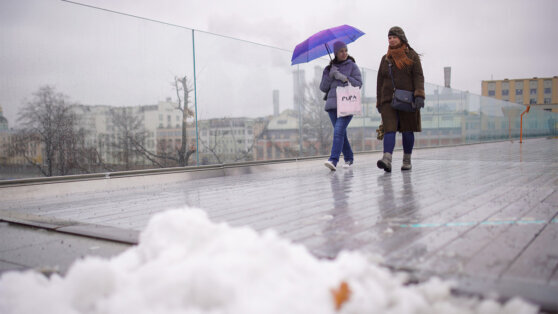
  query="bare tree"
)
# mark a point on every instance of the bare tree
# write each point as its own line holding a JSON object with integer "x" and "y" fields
{"x": 316, "y": 127}
{"x": 130, "y": 136}
{"x": 181, "y": 87}
{"x": 166, "y": 153}
{"x": 48, "y": 120}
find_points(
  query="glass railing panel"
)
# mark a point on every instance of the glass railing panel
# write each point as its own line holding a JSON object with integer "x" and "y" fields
{"x": 116, "y": 74}
{"x": 248, "y": 109}
{"x": 126, "y": 80}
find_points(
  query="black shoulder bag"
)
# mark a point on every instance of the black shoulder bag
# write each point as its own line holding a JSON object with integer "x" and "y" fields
{"x": 403, "y": 100}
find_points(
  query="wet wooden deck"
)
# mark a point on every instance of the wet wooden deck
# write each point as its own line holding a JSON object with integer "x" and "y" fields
{"x": 483, "y": 214}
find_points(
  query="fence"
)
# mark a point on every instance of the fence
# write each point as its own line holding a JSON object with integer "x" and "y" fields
{"x": 245, "y": 101}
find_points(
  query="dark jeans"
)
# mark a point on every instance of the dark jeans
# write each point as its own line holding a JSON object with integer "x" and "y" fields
{"x": 340, "y": 139}
{"x": 408, "y": 141}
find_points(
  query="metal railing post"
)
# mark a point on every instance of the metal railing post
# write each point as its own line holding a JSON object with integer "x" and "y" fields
{"x": 521, "y": 125}
{"x": 195, "y": 101}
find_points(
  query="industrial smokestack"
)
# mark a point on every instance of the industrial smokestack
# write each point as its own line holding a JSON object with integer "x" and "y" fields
{"x": 447, "y": 77}
{"x": 275, "y": 102}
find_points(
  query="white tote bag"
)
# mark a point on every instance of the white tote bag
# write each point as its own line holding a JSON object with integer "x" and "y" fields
{"x": 348, "y": 101}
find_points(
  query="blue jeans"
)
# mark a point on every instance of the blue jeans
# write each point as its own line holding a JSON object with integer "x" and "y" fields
{"x": 340, "y": 139}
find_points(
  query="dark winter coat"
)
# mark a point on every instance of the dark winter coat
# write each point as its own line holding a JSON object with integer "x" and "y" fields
{"x": 329, "y": 85}
{"x": 408, "y": 78}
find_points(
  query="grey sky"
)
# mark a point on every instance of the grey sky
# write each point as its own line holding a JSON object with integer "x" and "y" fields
{"x": 59, "y": 43}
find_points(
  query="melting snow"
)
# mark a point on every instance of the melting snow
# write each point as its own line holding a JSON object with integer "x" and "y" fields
{"x": 184, "y": 263}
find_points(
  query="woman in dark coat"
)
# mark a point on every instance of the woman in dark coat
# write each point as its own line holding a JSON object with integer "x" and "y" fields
{"x": 407, "y": 74}
{"x": 339, "y": 72}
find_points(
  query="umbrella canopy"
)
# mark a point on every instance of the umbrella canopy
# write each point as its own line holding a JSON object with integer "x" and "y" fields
{"x": 321, "y": 43}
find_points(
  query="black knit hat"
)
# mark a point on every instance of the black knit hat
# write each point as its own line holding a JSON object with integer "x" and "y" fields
{"x": 398, "y": 31}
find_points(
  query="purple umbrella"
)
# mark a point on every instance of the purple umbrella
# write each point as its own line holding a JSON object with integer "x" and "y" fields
{"x": 321, "y": 43}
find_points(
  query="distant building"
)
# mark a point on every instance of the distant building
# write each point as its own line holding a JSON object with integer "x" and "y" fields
{"x": 280, "y": 138}
{"x": 8, "y": 138}
{"x": 227, "y": 140}
{"x": 101, "y": 132}
{"x": 542, "y": 92}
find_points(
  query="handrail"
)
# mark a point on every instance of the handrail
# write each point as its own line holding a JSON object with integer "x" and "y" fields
{"x": 521, "y": 126}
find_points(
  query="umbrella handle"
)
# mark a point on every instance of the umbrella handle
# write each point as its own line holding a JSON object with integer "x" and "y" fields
{"x": 327, "y": 48}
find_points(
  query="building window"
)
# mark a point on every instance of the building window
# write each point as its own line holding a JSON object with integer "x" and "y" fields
{"x": 160, "y": 117}
{"x": 547, "y": 90}
{"x": 491, "y": 93}
{"x": 532, "y": 101}
{"x": 547, "y": 101}
{"x": 505, "y": 92}
{"x": 519, "y": 91}
{"x": 532, "y": 91}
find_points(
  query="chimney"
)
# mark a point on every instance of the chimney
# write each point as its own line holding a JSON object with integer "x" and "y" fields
{"x": 275, "y": 102}
{"x": 298, "y": 88}
{"x": 447, "y": 77}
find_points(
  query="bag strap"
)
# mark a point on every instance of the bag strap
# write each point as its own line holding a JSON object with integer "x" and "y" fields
{"x": 391, "y": 75}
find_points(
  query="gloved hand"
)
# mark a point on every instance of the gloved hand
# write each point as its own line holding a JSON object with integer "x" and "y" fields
{"x": 332, "y": 71}
{"x": 340, "y": 76}
{"x": 419, "y": 102}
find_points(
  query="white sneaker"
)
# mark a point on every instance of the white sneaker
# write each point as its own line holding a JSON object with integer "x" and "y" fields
{"x": 348, "y": 164}
{"x": 330, "y": 165}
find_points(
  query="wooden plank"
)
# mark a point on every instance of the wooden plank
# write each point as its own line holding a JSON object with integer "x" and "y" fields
{"x": 494, "y": 259}
{"x": 454, "y": 257}
{"x": 539, "y": 259}
{"x": 413, "y": 254}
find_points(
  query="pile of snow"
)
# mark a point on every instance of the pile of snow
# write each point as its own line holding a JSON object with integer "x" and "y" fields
{"x": 187, "y": 264}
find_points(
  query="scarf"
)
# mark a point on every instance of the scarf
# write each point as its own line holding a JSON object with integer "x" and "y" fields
{"x": 399, "y": 56}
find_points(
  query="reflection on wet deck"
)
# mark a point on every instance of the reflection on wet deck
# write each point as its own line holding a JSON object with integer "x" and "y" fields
{"x": 484, "y": 214}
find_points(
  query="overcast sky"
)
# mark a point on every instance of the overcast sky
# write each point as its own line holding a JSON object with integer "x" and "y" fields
{"x": 43, "y": 41}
